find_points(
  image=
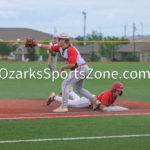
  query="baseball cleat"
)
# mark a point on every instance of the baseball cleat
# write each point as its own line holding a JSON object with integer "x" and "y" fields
{"x": 51, "y": 98}
{"x": 61, "y": 109}
{"x": 96, "y": 104}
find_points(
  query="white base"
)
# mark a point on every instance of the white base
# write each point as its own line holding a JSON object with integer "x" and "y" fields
{"x": 115, "y": 108}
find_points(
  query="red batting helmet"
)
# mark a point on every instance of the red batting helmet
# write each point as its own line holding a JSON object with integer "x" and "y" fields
{"x": 117, "y": 86}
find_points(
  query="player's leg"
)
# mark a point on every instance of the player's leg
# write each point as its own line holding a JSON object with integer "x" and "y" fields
{"x": 79, "y": 88}
{"x": 49, "y": 61}
{"x": 55, "y": 61}
{"x": 79, "y": 103}
{"x": 71, "y": 80}
{"x": 75, "y": 103}
{"x": 66, "y": 85}
{"x": 79, "y": 85}
{"x": 73, "y": 95}
{"x": 58, "y": 98}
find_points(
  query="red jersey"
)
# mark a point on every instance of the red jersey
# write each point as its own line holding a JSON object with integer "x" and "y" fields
{"x": 70, "y": 54}
{"x": 106, "y": 98}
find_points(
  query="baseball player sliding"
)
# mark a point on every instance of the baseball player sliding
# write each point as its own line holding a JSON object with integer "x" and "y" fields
{"x": 107, "y": 99}
{"x": 75, "y": 62}
{"x": 52, "y": 59}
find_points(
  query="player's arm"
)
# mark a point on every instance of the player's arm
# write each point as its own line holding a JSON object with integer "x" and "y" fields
{"x": 67, "y": 66}
{"x": 49, "y": 47}
{"x": 45, "y": 47}
{"x": 104, "y": 101}
{"x": 32, "y": 43}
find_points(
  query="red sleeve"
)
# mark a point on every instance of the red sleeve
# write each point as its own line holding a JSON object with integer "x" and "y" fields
{"x": 72, "y": 55}
{"x": 55, "y": 48}
{"x": 104, "y": 99}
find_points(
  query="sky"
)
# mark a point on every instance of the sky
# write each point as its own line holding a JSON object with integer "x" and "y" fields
{"x": 54, "y": 16}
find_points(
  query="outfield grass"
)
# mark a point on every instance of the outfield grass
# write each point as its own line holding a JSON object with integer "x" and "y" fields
{"x": 39, "y": 89}
{"x": 77, "y": 127}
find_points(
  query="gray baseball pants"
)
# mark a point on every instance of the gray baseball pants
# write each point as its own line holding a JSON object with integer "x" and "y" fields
{"x": 52, "y": 60}
{"x": 76, "y": 78}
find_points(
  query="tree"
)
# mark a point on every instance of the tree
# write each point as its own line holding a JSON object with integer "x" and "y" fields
{"x": 93, "y": 56}
{"x": 94, "y": 36}
{"x": 131, "y": 57}
{"x": 14, "y": 46}
{"x": 7, "y": 48}
{"x": 109, "y": 49}
{"x": 31, "y": 54}
{"x": 106, "y": 49}
{"x": 80, "y": 38}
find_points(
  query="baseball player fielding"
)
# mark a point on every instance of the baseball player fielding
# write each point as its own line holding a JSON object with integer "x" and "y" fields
{"x": 75, "y": 62}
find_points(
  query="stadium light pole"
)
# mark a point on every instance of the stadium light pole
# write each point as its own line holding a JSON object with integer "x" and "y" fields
{"x": 125, "y": 31}
{"x": 134, "y": 29}
{"x": 84, "y": 27}
{"x": 55, "y": 31}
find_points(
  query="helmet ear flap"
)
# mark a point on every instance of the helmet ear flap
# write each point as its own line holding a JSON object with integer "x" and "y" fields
{"x": 120, "y": 93}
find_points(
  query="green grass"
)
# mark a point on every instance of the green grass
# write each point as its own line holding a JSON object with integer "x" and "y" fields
{"x": 137, "y": 89}
{"x": 77, "y": 127}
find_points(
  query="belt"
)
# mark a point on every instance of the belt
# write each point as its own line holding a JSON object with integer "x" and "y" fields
{"x": 83, "y": 64}
{"x": 78, "y": 66}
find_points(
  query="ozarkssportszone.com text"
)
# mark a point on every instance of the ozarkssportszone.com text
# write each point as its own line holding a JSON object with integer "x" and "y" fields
{"x": 93, "y": 74}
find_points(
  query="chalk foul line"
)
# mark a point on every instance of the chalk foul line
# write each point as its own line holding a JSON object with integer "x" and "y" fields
{"x": 75, "y": 138}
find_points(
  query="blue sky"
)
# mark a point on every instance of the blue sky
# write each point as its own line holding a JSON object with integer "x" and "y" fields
{"x": 106, "y": 16}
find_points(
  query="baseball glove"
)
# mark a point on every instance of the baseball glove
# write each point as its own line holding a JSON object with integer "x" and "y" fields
{"x": 30, "y": 43}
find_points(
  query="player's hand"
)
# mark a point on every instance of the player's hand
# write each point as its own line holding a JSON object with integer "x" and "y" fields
{"x": 30, "y": 43}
